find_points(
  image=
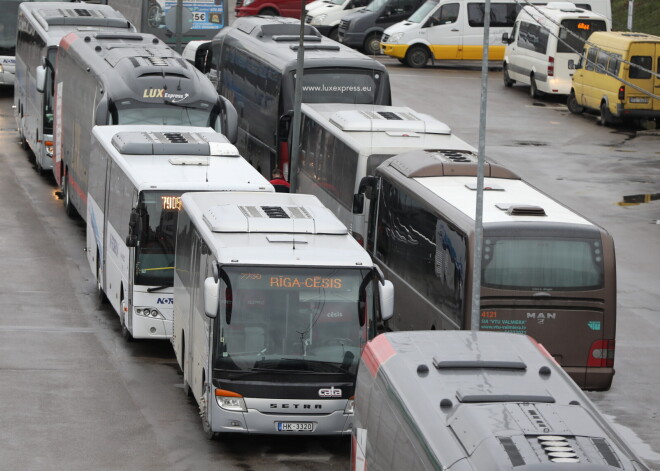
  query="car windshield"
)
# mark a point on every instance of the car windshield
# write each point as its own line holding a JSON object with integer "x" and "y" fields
{"x": 422, "y": 11}
{"x": 156, "y": 231}
{"x": 286, "y": 320}
{"x": 375, "y": 5}
{"x": 192, "y": 114}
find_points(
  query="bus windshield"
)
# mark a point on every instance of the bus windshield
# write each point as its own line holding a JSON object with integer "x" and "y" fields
{"x": 9, "y": 10}
{"x": 573, "y": 34}
{"x": 287, "y": 320}
{"x": 191, "y": 114}
{"x": 542, "y": 263}
{"x": 156, "y": 230}
{"x": 422, "y": 11}
{"x": 340, "y": 86}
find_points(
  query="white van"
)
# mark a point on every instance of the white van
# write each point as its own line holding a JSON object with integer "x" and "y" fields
{"x": 453, "y": 30}
{"x": 325, "y": 15}
{"x": 543, "y": 41}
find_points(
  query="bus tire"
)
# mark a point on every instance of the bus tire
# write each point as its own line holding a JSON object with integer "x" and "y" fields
{"x": 372, "y": 44}
{"x": 269, "y": 12}
{"x": 508, "y": 81}
{"x": 605, "y": 118}
{"x": 68, "y": 205}
{"x": 417, "y": 57}
{"x": 203, "y": 412}
{"x": 573, "y": 105}
{"x": 533, "y": 89}
{"x": 103, "y": 299}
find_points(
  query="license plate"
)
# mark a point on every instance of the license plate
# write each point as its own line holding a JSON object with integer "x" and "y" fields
{"x": 295, "y": 426}
{"x": 639, "y": 99}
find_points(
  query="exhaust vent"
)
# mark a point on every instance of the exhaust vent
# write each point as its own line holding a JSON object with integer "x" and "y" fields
{"x": 275, "y": 212}
{"x": 558, "y": 449}
{"x": 157, "y": 61}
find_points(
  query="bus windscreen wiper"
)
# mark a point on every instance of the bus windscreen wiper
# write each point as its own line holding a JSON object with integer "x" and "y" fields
{"x": 157, "y": 288}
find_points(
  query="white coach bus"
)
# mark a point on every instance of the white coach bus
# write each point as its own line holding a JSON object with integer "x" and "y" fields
{"x": 41, "y": 26}
{"x": 274, "y": 303}
{"x": 134, "y": 198}
{"x": 342, "y": 143}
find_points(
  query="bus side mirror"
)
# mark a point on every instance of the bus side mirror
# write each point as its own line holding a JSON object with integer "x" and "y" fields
{"x": 505, "y": 38}
{"x": 211, "y": 297}
{"x": 41, "y": 78}
{"x": 358, "y": 203}
{"x": 386, "y": 295}
{"x": 229, "y": 118}
{"x": 368, "y": 186}
{"x": 131, "y": 241}
{"x": 571, "y": 64}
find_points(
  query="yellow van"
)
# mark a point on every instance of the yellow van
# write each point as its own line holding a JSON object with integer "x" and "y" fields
{"x": 618, "y": 75}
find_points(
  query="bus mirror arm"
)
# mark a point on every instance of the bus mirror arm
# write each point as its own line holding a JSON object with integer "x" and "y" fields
{"x": 41, "y": 78}
{"x": 358, "y": 203}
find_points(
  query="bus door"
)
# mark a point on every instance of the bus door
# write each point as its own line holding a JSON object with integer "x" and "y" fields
{"x": 647, "y": 57}
{"x": 444, "y": 31}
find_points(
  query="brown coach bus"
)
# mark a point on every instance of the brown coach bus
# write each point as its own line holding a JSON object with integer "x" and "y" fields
{"x": 547, "y": 272}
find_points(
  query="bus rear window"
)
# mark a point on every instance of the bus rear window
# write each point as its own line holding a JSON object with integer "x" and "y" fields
{"x": 542, "y": 263}
{"x": 574, "y": 33}
{"x": 340, "y": 86}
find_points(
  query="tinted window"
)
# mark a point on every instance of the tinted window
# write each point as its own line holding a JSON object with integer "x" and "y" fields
{"x": 533, "y": 37}
{"x": 642, "y": 61}
{"x": 501, "y": 14}
{"x": 542, "y": 263}
{"x": 340, "y": 86}
{"x": 615, "y": 62}
{"x": 573, "y": 33}
{"x": 601, "y": 62}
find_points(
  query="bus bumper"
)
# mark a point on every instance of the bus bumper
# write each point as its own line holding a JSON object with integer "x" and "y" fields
{"x": 636, "y": 113}
{"x": 256, "y": 422}
{"x": 151, "y": 328}
{"x": 591, "y": 379}
{"x": 394, "y": 50}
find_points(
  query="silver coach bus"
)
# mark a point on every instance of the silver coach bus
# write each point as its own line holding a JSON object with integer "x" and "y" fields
{"x": 122, "y": 78}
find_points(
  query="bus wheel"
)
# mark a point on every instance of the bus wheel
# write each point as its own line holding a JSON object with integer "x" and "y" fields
{"x": 99, "y": 289}
{"x": 268, "y": 12}
{"x": 533, "y": 89}
{"x": 605, "y": 115}
{"x": 372, "y": 44}
{"x": 417, "y": 57}
{"x": 68, "y": 205}
{"x": 334, "y": 33}
{"x": 203, "y": 412}
{"x": 573, "y": 105}
{"x": 508, "y": 82}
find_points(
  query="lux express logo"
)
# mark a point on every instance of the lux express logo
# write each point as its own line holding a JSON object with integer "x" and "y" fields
{"x": 162, "y": 93}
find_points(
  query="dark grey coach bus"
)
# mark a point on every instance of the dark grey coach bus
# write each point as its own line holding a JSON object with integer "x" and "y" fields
{"x": 256, "y": 62}
{"x": 546, "y": 271}
{"x": 466, "y": 401}
{"x": 123, "y": 78}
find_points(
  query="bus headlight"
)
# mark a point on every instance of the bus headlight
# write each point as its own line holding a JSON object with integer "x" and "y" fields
{"x": 395, "y": 38}
{"x": 318, "y": 20}
{"x": 149, "y": 312}
{"x": 350, "y": 407}
{"x": 230, "y": 401}
{"x": 248, "y": 2}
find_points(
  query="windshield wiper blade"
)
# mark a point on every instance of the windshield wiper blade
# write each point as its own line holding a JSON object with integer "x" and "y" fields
{"x": 157, "y": 288}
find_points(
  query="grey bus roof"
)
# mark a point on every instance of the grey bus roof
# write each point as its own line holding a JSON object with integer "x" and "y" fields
{"x": 268, "y": 34}
{"x": 180, "y": 143}
{"x": 127, "y": 64}
{"x": 179, "y": 171}
{"x": 493, "y": 416}
{"x": 248, "y": 228}
{"x": 55, "y": 19}
{"x": 366, "y": 127}
{"x": 506, "y": 197}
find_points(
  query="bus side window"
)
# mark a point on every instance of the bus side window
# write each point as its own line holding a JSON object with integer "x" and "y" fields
{"x": 591, "y": 59}
{"x": 447, "y": 14}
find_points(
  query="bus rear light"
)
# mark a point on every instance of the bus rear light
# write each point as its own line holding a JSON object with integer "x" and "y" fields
{"x": 622, "y": 92}
{"x": 601, "y": 354}
{"x": 551, "y": 66}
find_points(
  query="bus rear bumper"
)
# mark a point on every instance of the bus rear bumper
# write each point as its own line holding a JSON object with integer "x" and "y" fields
{"x": 591, "y": 379}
